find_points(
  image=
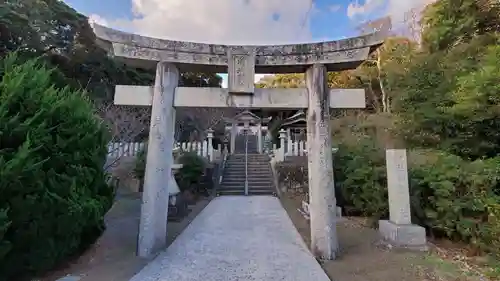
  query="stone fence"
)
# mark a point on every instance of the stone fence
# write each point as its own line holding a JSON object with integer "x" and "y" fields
{"x": 132, "y": 149}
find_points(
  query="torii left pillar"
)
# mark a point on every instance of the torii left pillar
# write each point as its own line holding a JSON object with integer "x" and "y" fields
{"x": 324, "y": 240}
{"x": 154, "y": 208}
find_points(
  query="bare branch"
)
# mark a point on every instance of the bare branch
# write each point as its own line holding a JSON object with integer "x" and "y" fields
{"x": 197, "y": 121}
{"x": 125, "y": 124}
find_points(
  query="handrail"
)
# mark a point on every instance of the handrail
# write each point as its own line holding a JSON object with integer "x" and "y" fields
{"x": 246, "y": 162}
{"x": 221, "y": 169}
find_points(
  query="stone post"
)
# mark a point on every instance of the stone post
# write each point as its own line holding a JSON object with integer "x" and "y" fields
{"x": 210, "y": 136}
{"x": 289, "y": 143}
{"x": 259, "y": 137}
{"x": 154, "y": 208}
{"x": 324, "y": 243}
{"x": 233, "y": 136}
{"x": 282, "y": 136}
{"x": 398, "y": 230}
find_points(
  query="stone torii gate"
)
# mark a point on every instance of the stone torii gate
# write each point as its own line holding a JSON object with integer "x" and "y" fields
{"x": 241, "y": 63}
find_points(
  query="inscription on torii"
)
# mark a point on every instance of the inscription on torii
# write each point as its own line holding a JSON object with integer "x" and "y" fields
{"x": 241, "y": 70}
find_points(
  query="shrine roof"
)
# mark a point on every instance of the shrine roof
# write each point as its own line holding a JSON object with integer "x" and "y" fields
{"x": 246, "y": 116}
{"x": 143, "y": 51}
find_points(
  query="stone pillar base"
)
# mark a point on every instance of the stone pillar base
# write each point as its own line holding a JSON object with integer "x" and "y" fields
{"x": 409, "y": 236}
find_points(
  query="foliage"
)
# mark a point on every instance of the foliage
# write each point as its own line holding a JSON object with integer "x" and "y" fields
{"x": 450, "y": 22}
{"x": 450, "y": 196}
{"x": 140, "y": 164}
{"x": 343, "y": 79}
{"x": 64, "y": 38}
{"x": 449, "y": 100}
{"x": 188, "y": 177}
{"x": 360, "y": 179}
{"x": 53, "y": 185}
{"x": 193, "y": 167}
{"x": 457, "y": 198}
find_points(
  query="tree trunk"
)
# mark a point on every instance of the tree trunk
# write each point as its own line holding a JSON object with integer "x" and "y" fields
{"x": 384, "y": 95}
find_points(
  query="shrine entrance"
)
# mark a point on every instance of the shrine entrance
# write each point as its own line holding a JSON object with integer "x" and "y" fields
{"x": 241, "y": 63}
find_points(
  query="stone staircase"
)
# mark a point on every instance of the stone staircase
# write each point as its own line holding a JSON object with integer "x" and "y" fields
{"x": 260, "y": 179}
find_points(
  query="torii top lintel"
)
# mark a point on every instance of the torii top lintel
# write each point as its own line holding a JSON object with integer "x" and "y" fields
{"x": 145, "y": 51}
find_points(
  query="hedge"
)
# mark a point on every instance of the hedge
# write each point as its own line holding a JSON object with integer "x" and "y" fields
{"x": 54, "y": 191}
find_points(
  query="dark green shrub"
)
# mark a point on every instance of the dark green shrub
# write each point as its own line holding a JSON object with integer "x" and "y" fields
{"x": 456, "y": 198}
{"x": 360, "y": 179}
{"x": 140, "y": 164}
{"x": 54, "y": 191}
{"x": 190, "y": 175}
{"x": 450, "y": 196}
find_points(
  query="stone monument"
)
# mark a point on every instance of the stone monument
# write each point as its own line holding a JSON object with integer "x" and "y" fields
{"x": 398, "y": 230}
{"x": 241, "y": 62}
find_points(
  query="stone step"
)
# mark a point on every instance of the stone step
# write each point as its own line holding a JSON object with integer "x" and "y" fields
{"x": 251, "y": 176}
{"x": 242, "y": 155}
{"x": 267, "y": 187}
{"x": 264, "y": 178}
{"x": 256, "y": 161}
{"x": 236, "y": 174}
{"x": 242, "y": 161}
{"x": 241, "y": 173}
{"x": 264, "y": 187}
{"x": 242, "y": 184}
{"x": 250, "y": 158}
{"x": 254, "y": 167}
{"x": 259, "y": 179}
{"x": 242, "y": 167}
{"x": 249, "y": 170}
{"x": 242, "y": 192}
{"x": 250, "y": 161}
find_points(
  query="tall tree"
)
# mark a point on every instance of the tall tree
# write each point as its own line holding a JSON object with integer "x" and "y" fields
{"x": 448, "y": 95}
{"x": 450, "y": 22}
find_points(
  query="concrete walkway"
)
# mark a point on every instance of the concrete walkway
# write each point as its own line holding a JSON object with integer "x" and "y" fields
{"x": 237, "y": 238}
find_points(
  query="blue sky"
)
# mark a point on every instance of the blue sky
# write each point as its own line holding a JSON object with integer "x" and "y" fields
{"x": 241, "y": 21}
{"x": 328, "y": 21}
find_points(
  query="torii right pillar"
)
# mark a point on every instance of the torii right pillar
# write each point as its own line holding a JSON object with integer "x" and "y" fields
{"x": 324, "y": 240}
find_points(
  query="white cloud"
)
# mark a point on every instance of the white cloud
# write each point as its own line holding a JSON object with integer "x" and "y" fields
{"x": 334, "y": 8}
{"x": 98, "y": 20}
{"x": 221, "y": 21}
{"x": 356, "y": 9}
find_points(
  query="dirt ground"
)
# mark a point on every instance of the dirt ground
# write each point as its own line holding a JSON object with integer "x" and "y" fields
{"x": 364, "y": 258}
{"x": 112, "y": 257}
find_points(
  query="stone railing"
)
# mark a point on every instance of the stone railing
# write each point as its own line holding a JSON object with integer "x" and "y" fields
{"x": 132, "y": 149}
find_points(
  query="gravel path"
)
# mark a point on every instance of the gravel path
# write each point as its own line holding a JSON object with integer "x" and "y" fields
{"x": 237, "y": 238}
